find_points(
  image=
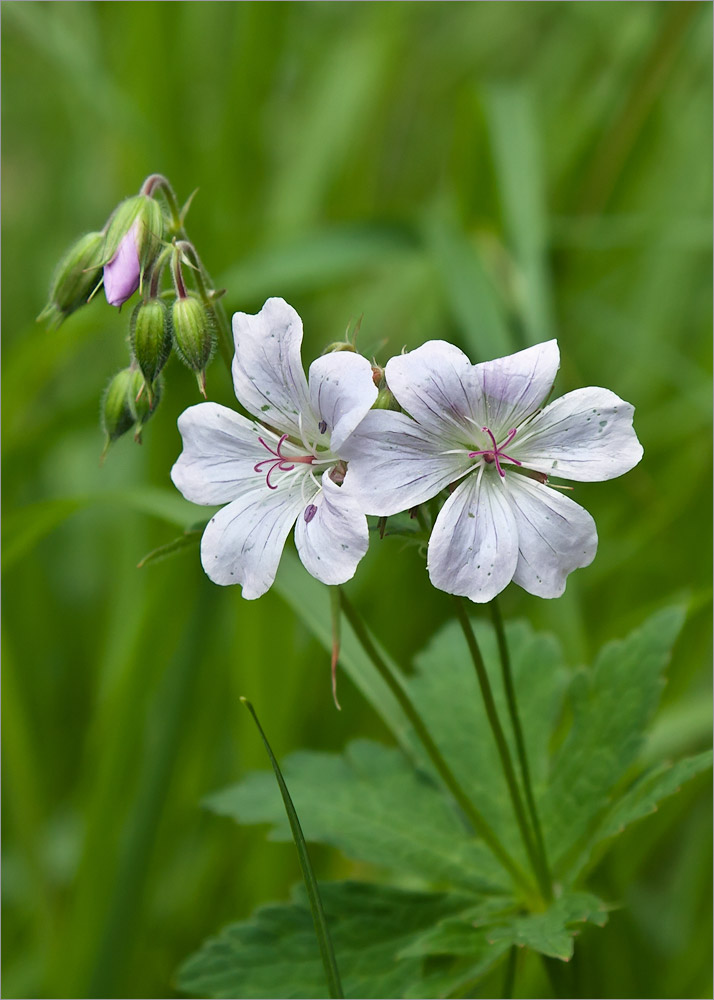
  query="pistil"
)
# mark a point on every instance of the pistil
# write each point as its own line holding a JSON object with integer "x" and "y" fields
{"x": 283, "y": 463}
{"x": 495, "y": 454}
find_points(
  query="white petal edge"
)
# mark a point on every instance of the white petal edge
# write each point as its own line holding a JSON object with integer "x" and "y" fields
{"x": 555, "y": 536}
{"x": 335, "y": 537}
{"x": 473, "y": 549}
{"x": 510, "y": 389}
{"x": 220, "y": 450}
{"x": 342, "y": 391}
{"x": 586, "y": 435}
{"x": 244, "y": 541}
{"x": 395, "y": 464}
{"x": 268, "y": 376}
{"x": 435, "y": 385}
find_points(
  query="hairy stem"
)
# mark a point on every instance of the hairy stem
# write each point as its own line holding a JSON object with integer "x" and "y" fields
{"x": 479, "y": 824}
{"x": 502, "y": 746}
{"x": 518, "y": 734}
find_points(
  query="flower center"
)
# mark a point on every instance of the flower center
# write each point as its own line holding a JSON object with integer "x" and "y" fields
{"x": 496, "y": 454}
{"x": 283, "y": 463}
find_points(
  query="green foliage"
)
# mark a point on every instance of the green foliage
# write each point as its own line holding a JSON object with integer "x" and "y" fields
{"x": 375, "y": 805}
{"x": 426, "y": 166}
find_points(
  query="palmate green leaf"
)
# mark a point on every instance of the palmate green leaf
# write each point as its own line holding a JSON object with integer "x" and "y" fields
{"x": 446, "y": 692}
{"x": 372, "y": 804}
{"x": 611, "y": 706}
{"x": 274, "y": 953}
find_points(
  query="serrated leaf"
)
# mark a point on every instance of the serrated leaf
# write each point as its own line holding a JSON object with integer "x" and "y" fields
{"x": 446, "y": 693}
{"x": 273, "y": 954}
{"x": 645, "y": 795}
{"x": 551, "y": 933}
{"x": 611, "y": 705}
{"x": 372, "y": 804}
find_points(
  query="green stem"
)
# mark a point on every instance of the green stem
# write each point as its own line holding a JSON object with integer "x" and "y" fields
{"x": 322, "y": 931}
{"x": 479, "y": 824}
{"x": 518, "y": 734}
{"x": 510, "y": 976}
{"x": 502, "y": 745}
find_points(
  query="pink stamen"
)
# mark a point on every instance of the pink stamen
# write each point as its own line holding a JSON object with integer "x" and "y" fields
{"x": 491, "y": 455}
{"x": 283, "y": 463}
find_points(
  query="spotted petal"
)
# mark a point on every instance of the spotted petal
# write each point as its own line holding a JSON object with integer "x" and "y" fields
{"x": 555, "y": 536}
{"x": 268, "y": 376}
{"x": 586, "y": 435}
{"x": 243, "y": 542}
{"x": 473, "y": 549}
{"x": 220, "y": 450}
{"x": 395, "y": 464}
{"x": 510, "y": 389}
{"x": 341, "y": 393}
{"x": 435, "y": 384}
{"x": 331, "y": 534}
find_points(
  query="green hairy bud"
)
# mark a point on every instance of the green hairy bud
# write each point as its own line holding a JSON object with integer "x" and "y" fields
{"x": 150, "y": 334}
{"x": 127, "y": 404}
{"x": 75, "y": 279}
{"x": 132, "y": 243}
{"x": 193, "y": 335}
{"x": 339, "y": 345}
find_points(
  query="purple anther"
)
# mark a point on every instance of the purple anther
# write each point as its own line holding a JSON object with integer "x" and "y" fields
{"x": 492, "y": 455}
{"x": 322, "y": 426}
{"x": 310, "y": 512}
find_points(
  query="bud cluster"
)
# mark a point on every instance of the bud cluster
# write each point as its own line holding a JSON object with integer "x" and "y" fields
{"x": 142, "y": 247}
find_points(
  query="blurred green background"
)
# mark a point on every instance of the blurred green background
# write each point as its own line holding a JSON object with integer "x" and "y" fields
{"x": 490, "y": 173}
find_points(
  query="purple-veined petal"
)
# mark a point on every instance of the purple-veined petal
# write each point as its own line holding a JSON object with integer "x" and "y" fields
{"x": 342, "y": 391}
{"x": 220, "y": 451}
{"x": 473, "y": 549}
{"x": 586, "y": 435}
{"x": 555, "y": 536}
{"x": 268, "y": 376}
{"x": 244, "y": 541}
{"x": 435, "y": 384}
{"x": 123, "y": 272}
{"x": 331, "y": 534}
{"x": 510, "y": 389}
{"x": 395, "y": 464}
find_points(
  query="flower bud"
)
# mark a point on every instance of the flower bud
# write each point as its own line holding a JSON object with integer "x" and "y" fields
{"x": 75, "y": 279}
{"x": 385, "y": 400}
{"x": 132, "y": 243}
{"x": 118, "y": 414}
{"x": 193, "y": 335}
{"x": 150, "y": 335}
{"x": 339, "y": 345}
{"x": 145, "y": 398}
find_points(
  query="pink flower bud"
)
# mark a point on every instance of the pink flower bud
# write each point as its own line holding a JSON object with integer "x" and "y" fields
{"x": 123, "y": 272}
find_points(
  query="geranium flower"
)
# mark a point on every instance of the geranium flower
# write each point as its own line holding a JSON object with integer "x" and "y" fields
{"x": 285, "y": 468}
{"x": 482, "y": 424}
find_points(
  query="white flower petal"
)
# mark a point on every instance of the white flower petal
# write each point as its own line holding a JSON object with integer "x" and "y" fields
{"x": 435, "y": 384}
{"x": 395, "y": 464}
{"x": 268, "y": 376}
{"x": 341, "y": 393}
{"x": 473, "y": 549}
{"x": 331, "y": 534}
{"x": 510, "y": 389}
{"x": 586, "y": 435}
{"x": 555, "y": 536}
{"x": 220, "y": 450}
{"x": 243, "y": 542}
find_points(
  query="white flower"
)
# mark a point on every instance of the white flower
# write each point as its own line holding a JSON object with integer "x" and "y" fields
{"x": 482, "y": 424}
{"x": 284, "y": 471}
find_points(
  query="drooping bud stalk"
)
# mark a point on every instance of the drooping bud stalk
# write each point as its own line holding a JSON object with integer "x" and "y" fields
{"x": 150, "y": 335}
{"x": 133, "y": 240}
{"x": 75, "y": 279}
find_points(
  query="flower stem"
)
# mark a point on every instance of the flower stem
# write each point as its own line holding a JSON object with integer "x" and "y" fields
{"x": 479, "y": 824}
{"x": 510, "y": 976}
{"x": 518, "y": 734}
{"x": 502, "y": 745}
